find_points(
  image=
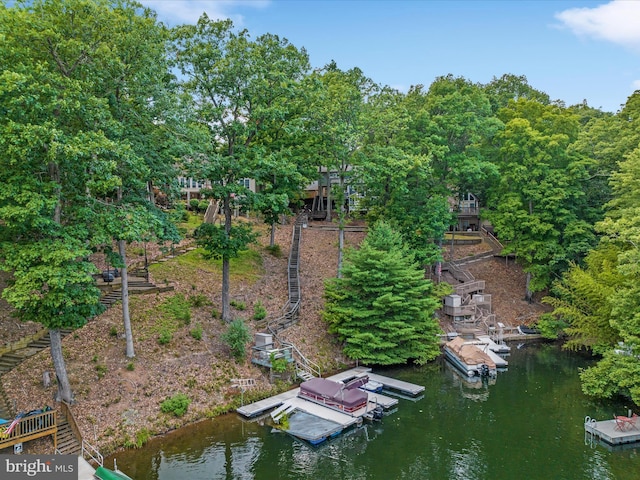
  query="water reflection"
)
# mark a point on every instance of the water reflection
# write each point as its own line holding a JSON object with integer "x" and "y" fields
{"x": 528, "y": 424}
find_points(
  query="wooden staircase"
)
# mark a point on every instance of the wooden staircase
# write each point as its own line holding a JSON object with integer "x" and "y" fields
{"x": 68, "y": 443}
{"x": 11, "y": 359}
{"x": 6, "y": 410}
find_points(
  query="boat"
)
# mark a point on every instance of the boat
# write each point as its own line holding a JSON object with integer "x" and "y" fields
{"x": 470, "y": 358}
{"x": 103, "y": 473}
{"x": 347, "y": 398}
{"x": 528, "y": 330}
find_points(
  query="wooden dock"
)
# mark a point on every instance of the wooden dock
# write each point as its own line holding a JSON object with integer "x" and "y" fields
{"x": 608, "y": 431}
{"x": 262, "y": 406}
{"x": 389, "y": 383}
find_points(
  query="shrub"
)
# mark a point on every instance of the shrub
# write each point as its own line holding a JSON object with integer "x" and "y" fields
{"x": 101, "y": 369}
{"x": 165, "y": 337}
{"x": 194, "y": 203}
{"x": 177, "y": 404}
{"x": 236, "y": 338}
{"x": 238, "y": 305}
{"x": 259, "y": 312}
{"x": 198, "y": 300}
{"x": 131, "y": 367}
{"x": 196, "y": 332}
{"x": 275, "y": 250}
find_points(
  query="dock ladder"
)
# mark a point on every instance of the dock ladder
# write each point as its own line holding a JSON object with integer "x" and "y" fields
{"x": 284, "y": 409}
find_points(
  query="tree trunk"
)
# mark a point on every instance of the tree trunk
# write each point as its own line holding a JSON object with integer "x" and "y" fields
{"x": 226, "y": 309}
{"x": 272, "y": 240}
{"x": 64, "y": 388}
{"x": 328, "y": 196}
{"x": 126, "y": 316}
{"x": 528, "y": 295}
{"x": 340, "y": 249}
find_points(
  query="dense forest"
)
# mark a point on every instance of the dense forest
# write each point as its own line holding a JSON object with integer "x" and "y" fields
{"x": 103, "y": 107}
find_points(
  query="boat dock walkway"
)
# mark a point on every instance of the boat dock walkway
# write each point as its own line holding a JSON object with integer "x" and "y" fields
{"x": 607, "y": 431}
{"x": 389, "y": 383}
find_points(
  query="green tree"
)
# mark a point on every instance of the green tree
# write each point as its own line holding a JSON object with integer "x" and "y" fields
{"x": 56, "y": 159}
{"x": 583, "y": 300}
{"x": 382, "y": 308}
{"x": 337, "y": 126}
{"x": 240, "y": 89}
{"x": 538, "y": 208}
{"x": 136, "y": 85}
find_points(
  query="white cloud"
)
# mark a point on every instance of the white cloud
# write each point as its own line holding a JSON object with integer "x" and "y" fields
{"x": 174, "y": 12}
{"x": 636, "y": 85}
{"x": 617, "y": 21}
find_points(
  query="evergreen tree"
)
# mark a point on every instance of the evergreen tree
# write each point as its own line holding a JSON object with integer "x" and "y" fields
{"x": 382, "y": 307}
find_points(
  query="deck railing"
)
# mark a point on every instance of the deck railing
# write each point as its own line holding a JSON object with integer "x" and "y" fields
{"x": 30, "y": 428}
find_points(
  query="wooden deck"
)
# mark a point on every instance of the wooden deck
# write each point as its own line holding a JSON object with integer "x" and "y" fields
{"x": 607, "y": 431}
{"x": 29, "y": 428}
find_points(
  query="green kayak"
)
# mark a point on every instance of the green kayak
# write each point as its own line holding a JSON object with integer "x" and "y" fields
{"x": 106, "y": 474}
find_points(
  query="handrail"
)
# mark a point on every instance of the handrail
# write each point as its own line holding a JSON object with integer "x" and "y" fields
{"x": 30, "y": 428}
{"x": 304, "y": 362}
{"x": 92, "y": 452}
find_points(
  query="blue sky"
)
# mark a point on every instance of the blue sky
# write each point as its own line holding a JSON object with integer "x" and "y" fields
{"x": 572, "y": 50}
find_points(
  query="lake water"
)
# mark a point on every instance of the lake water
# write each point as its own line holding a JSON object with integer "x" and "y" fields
{"x": 527, "y": 425}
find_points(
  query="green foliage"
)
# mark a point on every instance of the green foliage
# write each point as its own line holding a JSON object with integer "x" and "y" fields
{"x": 194, "y": 203}
{"x": 220, "y": 243}
{"x": 131, "y": 366}
{"x": 616, "y": 374}
{"x": 142, "y": 437}
{"x": 259, "y": 312}
{"x": 177, "y": 308}
{"x": 199, "y": 300}
{"x": 165, "y": 336}
{"x": 382, "y": 308}
{"x": 196, "y": 332}
{"x": 278, "y": 365}
{"x": 113, "y": 331}
{"x": 101, "y": 370}
{"x": 236, "y": 338}
{"x": 274, "y": 250}
{"x": 176, "y": 404}
{"x": 551, "y": 327}
{"x": 540, "y": 211}
{"x": 238, "y": 305}
{"x": 582, "y": 299}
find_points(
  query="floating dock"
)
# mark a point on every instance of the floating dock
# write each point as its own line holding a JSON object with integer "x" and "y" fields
{"x": 314, "y": 422}
{"x": 262, "y": 406}
{"x": 607, "y": 431}
{"x": 389, "y": 383}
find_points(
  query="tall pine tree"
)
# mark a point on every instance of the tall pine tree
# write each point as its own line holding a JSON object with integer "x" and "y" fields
{"x": 382, "y": 307}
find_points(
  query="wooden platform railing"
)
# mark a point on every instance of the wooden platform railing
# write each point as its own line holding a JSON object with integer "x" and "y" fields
{"x": 30, "y": 428}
